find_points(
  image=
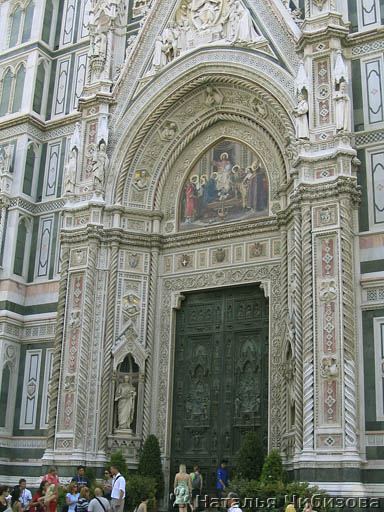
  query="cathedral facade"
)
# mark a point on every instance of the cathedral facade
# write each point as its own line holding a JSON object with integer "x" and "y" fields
{"x": 191, "y": 230}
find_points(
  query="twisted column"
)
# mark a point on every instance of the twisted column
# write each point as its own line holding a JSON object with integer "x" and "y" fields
{"x": 59, "y": 338}
{"x": 349, "y": 337}
{"x": 298, "y": 334}
{"x": 307, "y": 330}
{"x": 284, "y": 310}
{"x": 149, "y": 342}
{"x": 108, "y": 343}
{"x": 85, "y": 377}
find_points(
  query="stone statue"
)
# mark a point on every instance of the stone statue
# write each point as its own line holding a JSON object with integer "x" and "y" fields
{"x": 242, "y": 27}
{"x": 160, "y": 57}
{"x": 213, "y": 97}
{"x": 70, "y": 173}
{"x": 100, "y": 45}
{"x": 5, "y": 159}
{"x": 301, "y": 114}
{"x": 76, "y": 137}
{"x": 343, "y": 109}
{"x": 100, "y": 163}
{"x": 125, "y": 398}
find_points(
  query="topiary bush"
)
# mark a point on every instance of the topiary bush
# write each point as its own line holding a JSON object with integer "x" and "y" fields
{"x": 250, "y": 457}
{"x": 117, "y": 459}
{"x": 150, "y": 464}
{"x": 138, "y": 486}
{"x": 273, "y": 470}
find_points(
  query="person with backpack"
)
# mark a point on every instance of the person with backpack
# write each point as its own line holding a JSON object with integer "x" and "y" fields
{"x": 99, "y": 502}
{"x": 197, "y": 487}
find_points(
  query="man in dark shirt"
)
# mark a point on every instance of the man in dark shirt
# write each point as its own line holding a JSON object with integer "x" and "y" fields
{"x": 222, "y": 481}
{"x": 80, "y": 478}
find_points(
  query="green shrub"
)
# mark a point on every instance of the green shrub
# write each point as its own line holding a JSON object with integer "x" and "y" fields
{"x": 61, "y": 497}
{"x": 250, "y": 457}
{"x": 150, "y": 464}
{"x": 138, "y": 486}
{"x": 90, "y": 475}
{"x": 273, "y": 470}
{"x": 117, "y": 459}
{"x": 281, "y": 492}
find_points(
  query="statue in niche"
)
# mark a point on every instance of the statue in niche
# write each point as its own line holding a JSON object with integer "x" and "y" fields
{"x": 70, "y": 173}
{"x": 125, "y": 398}
{"x": 100, "y": 163}
{"x": 301, "y": 115}
{"x": 5, "y": 159}
{"x": 343, "y": 109}
{"x": 100, "y": 45}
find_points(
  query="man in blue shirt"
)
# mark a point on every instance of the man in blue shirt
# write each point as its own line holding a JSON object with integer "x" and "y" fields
{"x": 80, "y": 479}
{"x": 222, "y": 480}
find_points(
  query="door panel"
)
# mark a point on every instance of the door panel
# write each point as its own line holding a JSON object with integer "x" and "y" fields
{"x": 220, "y": 377}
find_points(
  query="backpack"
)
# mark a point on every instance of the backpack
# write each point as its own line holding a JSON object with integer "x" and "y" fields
{"x": 196, "y": 481}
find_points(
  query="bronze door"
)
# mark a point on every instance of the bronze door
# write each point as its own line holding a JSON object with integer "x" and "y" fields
{"x": 220, "y": 378}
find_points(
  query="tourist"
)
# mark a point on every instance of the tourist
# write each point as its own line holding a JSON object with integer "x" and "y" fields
{"x": 143, "y": 504}
{"x": 290, "y": 508}
{"x": 222, "y": 480}
{"x": 80, "y": 479}
{"x": 118, "y": 490}
{"x": 50, "y": 498}
{"x": 72, "y": 496}
{"x": 37, "y": 504}
{"x": 15, "y": 500}
{"x": 4, "y": 491}
{"x": 26, "y": 495}
{"x": 233, "y": 502}
{"x": 99, "y": 503}
{"x": 82, "y": 505}
{"x": 308, "y": 507}
{"x": 183, "y": 488}
{"x": 51, "y": 476}
{"x": 197, "y": 487}
{"x": 107, "y": 485}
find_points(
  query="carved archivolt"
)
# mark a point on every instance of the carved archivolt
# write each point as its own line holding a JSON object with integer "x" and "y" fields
{"x": 260, "y": 123}
{"x": 144, "y": 122}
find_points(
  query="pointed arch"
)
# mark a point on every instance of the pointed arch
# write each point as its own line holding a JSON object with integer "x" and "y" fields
{"x": 4, "y": 394}
{"x": 6, "y": 91}
{"x": 39, "y": 87}
{"x": 28, "y": 20}
{"x": 19, "y": 88}
{"x": 15, "y": 23}
{"x": 22, "y": 231}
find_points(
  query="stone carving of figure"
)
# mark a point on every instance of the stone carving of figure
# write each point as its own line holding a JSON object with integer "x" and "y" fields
{"x": 70, "y": 173}
{"x": 301, "y": 114}
{"x": 99, "y": 165}
{"x": 204, "y": 12}
{"x": 100, "y": 45}
{"x": 169, "y": 130}
{"x": 125, "y": 398}
{"x": 343, "y": 109}
{"x": 141, "y": 180}
{"x": 259, "y": 108}
{"x": 76, "y": 137}
{"x": 5, "y": 159}
{"x": 241, "y": 27}
{"x": 184, "y": 28}
{"x": 213, "y": 97}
